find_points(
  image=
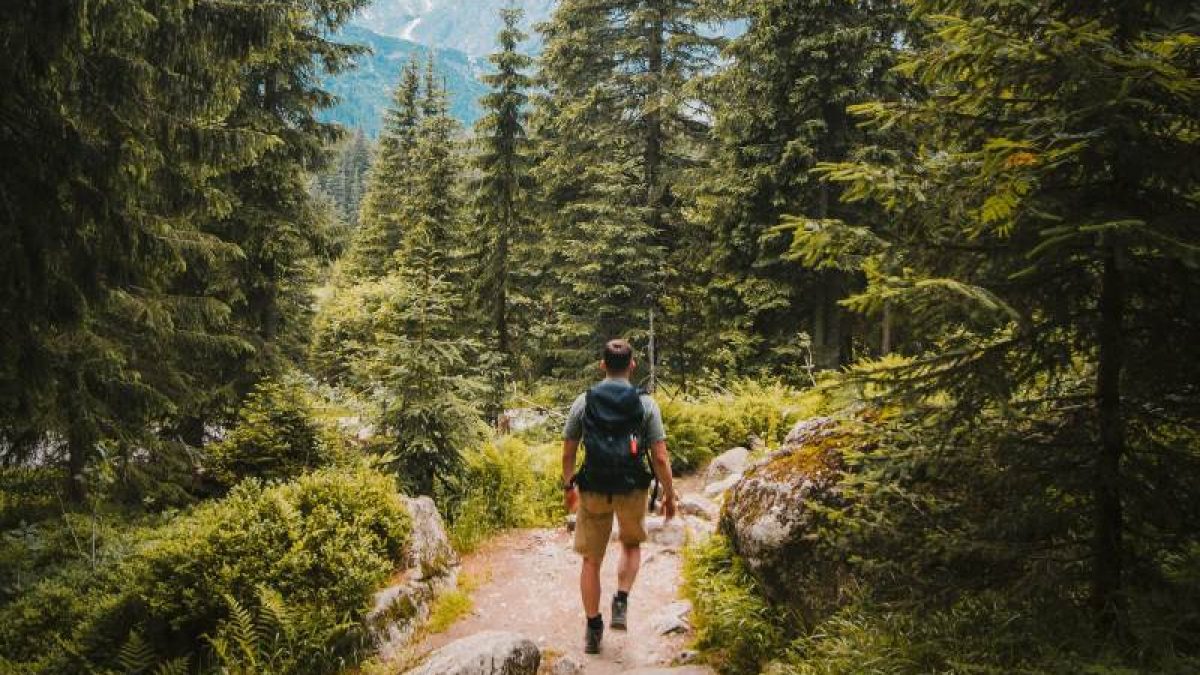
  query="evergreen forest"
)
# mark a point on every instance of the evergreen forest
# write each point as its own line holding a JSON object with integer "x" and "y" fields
{"x": 934, "y": 263}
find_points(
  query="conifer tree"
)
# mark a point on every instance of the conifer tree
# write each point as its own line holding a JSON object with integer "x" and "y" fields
{"x": 1039, "y": 227}
{"x": 403, "y": 337}
{"x": 614, "y": 75}
{"x": 502, "y": 191}
{"x": 380, "y": 228}
{"x": 779, "y": 109}
{"x": 131, "y": 135}
{"x": 346, "y": 179}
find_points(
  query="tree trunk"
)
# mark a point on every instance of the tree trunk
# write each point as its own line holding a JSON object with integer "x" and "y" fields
{"x": 885, "y": 340}
{"x": 653, "y": 150}
{"x": 79, "y": 447}
{"x": 1107, "y": 545}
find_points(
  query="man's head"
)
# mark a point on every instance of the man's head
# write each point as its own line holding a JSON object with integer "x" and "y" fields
{"x": 618, "y": 358}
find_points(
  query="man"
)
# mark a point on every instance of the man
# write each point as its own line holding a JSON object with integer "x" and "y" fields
{"x": 619, "y": 425}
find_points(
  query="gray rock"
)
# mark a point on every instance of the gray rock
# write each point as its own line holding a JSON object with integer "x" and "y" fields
{"x": 679, "y": 670}
{"x": 673, "y": 618}
{"x": 429, "y": 546}
{"x": 431, "y": 566}
{"x": 700, "y": 507}
{"x": 767, "y": 514}
{"x": 487, "y": 653}
{"x": 666, "y": 533}
{"x": 727, "y": 463}
{"x": 516, "y": 420}
{"x": 565, "y": 665}
{"x": 714, "y": 490}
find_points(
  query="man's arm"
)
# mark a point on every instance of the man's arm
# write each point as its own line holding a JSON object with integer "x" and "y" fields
{"x": 569, "y": 451}
{"x": 570, "y": 495}
{"x": 662, "y": 469}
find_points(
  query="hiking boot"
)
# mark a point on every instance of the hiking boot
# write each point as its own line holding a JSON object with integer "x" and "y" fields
{"x": 591, "y": 639}
{"x": 620, "y": 607}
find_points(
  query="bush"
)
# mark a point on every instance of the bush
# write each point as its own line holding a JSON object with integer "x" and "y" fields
{"x": 275, "y": 437}
{"x": 699, "y": 428}
{"x": 506, "y": 484}
{"x": 322, "y": 544}
{"x": 28, "y": 495}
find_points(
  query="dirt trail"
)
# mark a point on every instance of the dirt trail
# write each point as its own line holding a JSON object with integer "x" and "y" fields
{"x": 529, "y": 583}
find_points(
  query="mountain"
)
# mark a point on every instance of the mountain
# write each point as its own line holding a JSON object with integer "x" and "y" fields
{"x": 365, "y": 90}
{"x": 469, "y": 26}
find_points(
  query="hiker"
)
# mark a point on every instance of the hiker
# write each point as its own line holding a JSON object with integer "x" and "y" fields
{"x": 625, "y": 449}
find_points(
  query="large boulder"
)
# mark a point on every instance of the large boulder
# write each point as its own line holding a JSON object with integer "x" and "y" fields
{"x": 768, "y": 515}
{"x": 430, "y": 566}
{"x": 488, "y": 653}
{"x": 726, "y": 464}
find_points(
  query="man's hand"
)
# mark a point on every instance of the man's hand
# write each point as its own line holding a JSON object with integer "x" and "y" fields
{"x": 668, "y": 506}
{"x": 571, "y": 499}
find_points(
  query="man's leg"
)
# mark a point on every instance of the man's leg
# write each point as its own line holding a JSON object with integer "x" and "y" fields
{"x": 589, "y": 585}
{"x": 627, "y": 569}
{"x": 593, "y": 525}
{"x": 631, "y": 516}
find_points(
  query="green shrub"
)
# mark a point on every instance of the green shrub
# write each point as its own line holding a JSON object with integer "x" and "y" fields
{"x": 735, "y": 626}
{"x": 28, "y": 495}
{"x": 323, "y": 543}
{"x": 275, "y": 437}
{"x": 699, "y": 428}
{"x": 506, "y": 484}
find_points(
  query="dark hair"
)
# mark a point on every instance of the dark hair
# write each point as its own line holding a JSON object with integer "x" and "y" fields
{"x": 617, "y": 355}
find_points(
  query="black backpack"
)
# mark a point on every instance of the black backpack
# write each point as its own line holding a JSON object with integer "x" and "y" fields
{"x": 615, "y": 458}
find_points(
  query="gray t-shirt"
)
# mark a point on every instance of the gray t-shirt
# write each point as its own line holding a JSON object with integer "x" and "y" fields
{"x": 652, "y": 424}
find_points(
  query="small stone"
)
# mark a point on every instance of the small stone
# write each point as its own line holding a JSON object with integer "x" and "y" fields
{"x": 695, "y": 505}
{"x": 565, "y": 665}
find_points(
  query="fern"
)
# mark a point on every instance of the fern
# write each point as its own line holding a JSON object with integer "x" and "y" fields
{"x": 136, "y": 655}
{"x": 276, "y": 620}
{"x": 240, "y": 630}
{"x": 176, "y": 666}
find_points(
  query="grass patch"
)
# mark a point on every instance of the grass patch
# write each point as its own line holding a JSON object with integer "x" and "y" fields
{"x": 735, "y": 627}
{"x": 452, "y": 605}
{"x": 448, "y": 609}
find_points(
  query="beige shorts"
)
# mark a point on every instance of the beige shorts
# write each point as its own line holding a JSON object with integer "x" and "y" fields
{"x": 593, "y": 525}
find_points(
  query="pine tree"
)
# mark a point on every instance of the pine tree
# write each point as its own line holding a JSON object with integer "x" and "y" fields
{"x": 503, "y": 189}
{"x": 615, "y": 105}
{"x": 779, "y": 109}
{"x": 397, "y": 329}
{"x": 388, "y": 182}
{"x": 1038, "y": 228}
{"x": 130, "y": 138}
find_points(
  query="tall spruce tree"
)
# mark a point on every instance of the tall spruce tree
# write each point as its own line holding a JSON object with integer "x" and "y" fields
{"x": 780, "y": 108}
{"x": 1039, "y": 227}
{"x": 126, "y": 127}
{"x": 345, "y": 180}
{"x": 388, "y": 183}
{"x": 503, "y": 189}
{"x": 616, "y": 107}
{"x": 402, "y": 336}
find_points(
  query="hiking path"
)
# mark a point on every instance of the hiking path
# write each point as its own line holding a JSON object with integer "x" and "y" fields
{"x": 527, "y": 581}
